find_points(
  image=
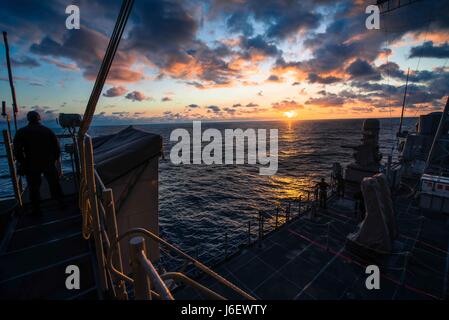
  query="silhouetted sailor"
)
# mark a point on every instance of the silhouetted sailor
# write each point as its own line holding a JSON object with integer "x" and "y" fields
{"x": 322, "y": 186}
{"x": 37, "y": 150}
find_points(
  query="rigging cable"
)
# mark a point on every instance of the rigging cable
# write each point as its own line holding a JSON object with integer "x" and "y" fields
{"x": 106, "y": 64}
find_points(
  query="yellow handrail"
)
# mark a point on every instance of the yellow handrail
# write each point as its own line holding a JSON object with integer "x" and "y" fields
{"x": 196, "y": 263}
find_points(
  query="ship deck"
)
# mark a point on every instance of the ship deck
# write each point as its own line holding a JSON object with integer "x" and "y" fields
{"x": 303, "y": 260}
{"x": 36, "y": 251}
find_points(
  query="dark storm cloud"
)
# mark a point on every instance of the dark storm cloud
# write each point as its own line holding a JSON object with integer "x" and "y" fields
{"x": 428, "y": 50}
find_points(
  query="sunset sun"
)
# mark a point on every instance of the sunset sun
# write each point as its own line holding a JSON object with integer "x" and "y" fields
{"x": 290, "y": 114}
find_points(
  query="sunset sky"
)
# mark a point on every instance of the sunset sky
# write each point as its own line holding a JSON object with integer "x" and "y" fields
{"x": 228, "y": 59}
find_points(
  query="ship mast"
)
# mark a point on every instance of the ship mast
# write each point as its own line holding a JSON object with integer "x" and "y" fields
{"x": 15, "y": 107}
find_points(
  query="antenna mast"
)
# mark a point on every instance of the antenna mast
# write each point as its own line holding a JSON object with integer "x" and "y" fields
{"x": 403, "y": 104}
{"x": 15, "y": 108}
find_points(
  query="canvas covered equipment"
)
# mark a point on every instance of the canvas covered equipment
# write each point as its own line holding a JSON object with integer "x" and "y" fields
{"x": 378, "y": 230}
{"x": 128, "y": 163}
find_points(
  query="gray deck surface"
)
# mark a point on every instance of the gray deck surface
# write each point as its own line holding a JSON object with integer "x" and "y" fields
{"x": 297, "y": 261}
{"x": 33, "y": 263}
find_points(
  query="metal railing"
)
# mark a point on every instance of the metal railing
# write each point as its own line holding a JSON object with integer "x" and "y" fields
{"x": 99, "y": 220}
{"x": 143, "y": 268}
{"x": 16, "y": 182}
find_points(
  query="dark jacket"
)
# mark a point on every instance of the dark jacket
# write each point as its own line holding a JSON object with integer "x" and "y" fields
{"x": 36, "y": 147}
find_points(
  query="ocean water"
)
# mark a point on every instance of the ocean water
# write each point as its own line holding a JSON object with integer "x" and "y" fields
{"x": 200, "y": 204}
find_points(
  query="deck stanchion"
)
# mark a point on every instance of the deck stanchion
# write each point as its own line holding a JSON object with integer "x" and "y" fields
{"x": 287, "y": 214}
{"x": 112, "y": 231}
{"x": 299, "y": 205}
{"x": 141, "y": 281}
{"x": 92, "y": 193}
{"x": 12, "y": 168}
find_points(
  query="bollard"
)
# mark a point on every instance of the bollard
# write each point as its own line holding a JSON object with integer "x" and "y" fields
{"x": 141, "y": 281}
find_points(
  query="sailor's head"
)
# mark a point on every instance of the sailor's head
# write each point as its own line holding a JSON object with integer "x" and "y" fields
{"x": 33, "y": 117}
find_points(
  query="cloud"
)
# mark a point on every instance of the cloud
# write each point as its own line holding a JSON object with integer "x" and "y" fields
{"x": 287, "y": 105}
{"x": 274, "y": 78}
{"x": 136, "y": 96}
{"x": 280, "y": 19}
{"x": 428, "y": 50}
{"x": 166, "y": 99}
{"x": 193, "y": 106}
{"x": 315, "y": 78}
{"x": 361, "y": 69}
{"x": 252, "y": 105}
{"x": 329, "y": 100}
{"x": 25, "y": 62}
{"x": 115, "y": 92}
{"x": 73, "y": 46}
{"x": 61, "y": 65}
{"x": 214, "y": 109}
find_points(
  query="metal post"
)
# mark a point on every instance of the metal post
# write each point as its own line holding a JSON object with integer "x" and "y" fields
{"x": 11, "y": 80}
{"x": 299, "y": 205}
{"x": 112, "y": 230}
{"x": 403, "y": 105}
{"x": 7, "y": 116}
{"x": 287, "y": 214}
{"x": 141, "y": 281}
{"x": 12, "y": 167}
{"x": 92, "y": 192}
